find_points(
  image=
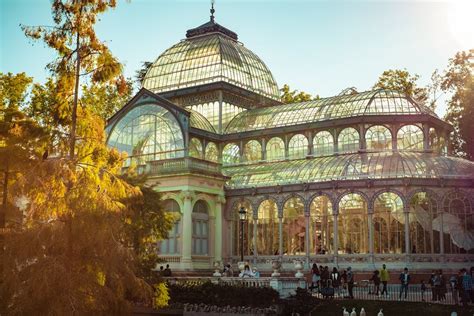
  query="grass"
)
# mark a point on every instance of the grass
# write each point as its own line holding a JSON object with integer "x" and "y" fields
{"x": 334, "y": 307}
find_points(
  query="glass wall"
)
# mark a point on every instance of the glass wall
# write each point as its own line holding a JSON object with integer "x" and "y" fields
{"x": 353, "y": 224}
{"x": 423, "y": 210}
{"x": 275, "y": 149}
{"x": 195, "y": 148}
{"x": 212, "y": 154}
{"x": 378, "y": 137}
{"x": 321, "y": 227}
{"x": 388, "y": 224}
{"x": 294, "y": 227}
{"x": 410, "y": 137}
{"x": 230, "y": 154}
{"x": 348, "y": 140}
{"x": 458, "y": 223}
{"x": 252, "y": 151}
{"x": 323, "y": 144}
{"x": 298, "y": 147}
{"x": 147, "y": 132}
{"x": 172, "y": 245}
{"x": 267, "y": 229}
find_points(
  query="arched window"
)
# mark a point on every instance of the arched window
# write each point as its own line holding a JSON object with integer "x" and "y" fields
{"x": 212, "y": 154}
{"x": 248, "y": 229}
{"x": 410, "y": 137}
{"x": 378, "y": 137}
{"x": 172, "y": 245}
{"x": 275, "y": 149}
{"x": 298, "y": 146}
{"x": 230, "y": 154}
{"x": 389, "y": 224}
{"x": 348, "y": 140}
{"x": 458, "y": 223}
{"x": 321, "y": 227}
{"x": 195, "y": 148}
{"x": 200, "y": 235}
{"x": 353, "y": 224}
{"x": 323, "y": 144}
{"x": 294, "y": 227}
{"x": 267, "y": 228}
{"x": 423, "y": 210}
{"x": 147, "y": 132}
{"x": 252, "y": 151}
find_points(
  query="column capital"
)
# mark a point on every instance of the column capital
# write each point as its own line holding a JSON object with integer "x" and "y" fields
{"x": 187, "y": 195}
{"x": 220, "y": 199}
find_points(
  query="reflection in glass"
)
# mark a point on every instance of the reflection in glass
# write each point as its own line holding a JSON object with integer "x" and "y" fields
{"x": 378, "y": 137}
{"x": 275, "y": 149}
{"x": 298, "y": 146}
{"x": 352, "y": 225}
{"x": 321, "y": 228}
{"x": 410, "y": 137}
{"x": 267, "y": 228}
{"x": 348, "y": 140}
{"x": 389, "y": 224}
{"x": 172, "y": 244}
{"x": 323, "y": 144}
{"x": 294, "y": 227}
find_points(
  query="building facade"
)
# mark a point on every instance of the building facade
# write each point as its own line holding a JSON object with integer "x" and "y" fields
{"x": 356, "y": 179}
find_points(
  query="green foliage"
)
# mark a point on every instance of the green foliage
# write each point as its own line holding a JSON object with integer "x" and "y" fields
{"x": 293, "y": 96}
{"x": 140, "y": 74}
{"x": 13, "y": 90}
{"x": 403, "y": 81}
{"x": 222, "y": 295}
{"x": 458, "y": 80}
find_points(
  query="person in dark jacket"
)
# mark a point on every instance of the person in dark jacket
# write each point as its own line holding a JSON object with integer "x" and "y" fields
{"x": 350, "y": 282}
{"x": 404, "y": 282}
{"x": 335, "y": 280}
{"x": 376, "y": 280}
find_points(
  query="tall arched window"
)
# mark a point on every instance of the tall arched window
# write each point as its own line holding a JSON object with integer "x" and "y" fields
{"x": 195, "y": 148}
{"x": 200, "y": 242}
{"x": 230, "y": 154}
{"x": 248, "y": 228}
{"x": 321, "y": 227}
{"x": 267, "y": 228}
{"x": 378, "y": 137}
{"x": 172, "y": 244}
{"x": 348, "y": 140}
{"x": 423, "y": 210}
{"x": 294, "y": 227}
{"x": 410, "y": 137}
{"x": 323, "y": 144}
{"x": 147, "y": 132}
{"x": 212, "y": 154}
{"x": 252, "y": 151}
{"x": 275, "y": 149}
{"x": 353, "y": 224}
{"x": 458, "y": 223}
{"x": 389, "y": 224}
{"x": 298, "y": 146}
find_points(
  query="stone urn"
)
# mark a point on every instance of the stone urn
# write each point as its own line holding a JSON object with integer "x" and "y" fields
{"x": 241, "y": 265}
{"x": 217, "y": 269}
{"x": 299, "y": 268}
{"x": 276, "y": 265}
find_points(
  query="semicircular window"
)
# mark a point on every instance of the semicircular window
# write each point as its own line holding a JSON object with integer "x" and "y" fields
{"x": 147, "y": 132}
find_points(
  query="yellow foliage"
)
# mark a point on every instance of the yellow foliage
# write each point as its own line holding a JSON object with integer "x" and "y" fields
{"x": 161, "y": 296}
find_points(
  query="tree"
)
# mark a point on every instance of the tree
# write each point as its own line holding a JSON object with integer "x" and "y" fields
{"x": 140, "y": 74}
{"x": 458, "y": 80}
{"x": 80, "y": 53}
{"x": 403, "y": 81}
{"x": 293, "y": 96}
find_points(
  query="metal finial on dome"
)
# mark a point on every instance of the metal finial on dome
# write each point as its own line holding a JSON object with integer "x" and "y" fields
{"x": 212, "y": 10}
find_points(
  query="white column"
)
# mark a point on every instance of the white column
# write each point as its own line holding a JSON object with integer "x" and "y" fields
{"x": 220, "y": 200}
{"x": 187, "y": 227}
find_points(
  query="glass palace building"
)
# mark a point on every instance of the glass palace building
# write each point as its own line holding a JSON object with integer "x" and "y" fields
{"x": 359, "y": 179}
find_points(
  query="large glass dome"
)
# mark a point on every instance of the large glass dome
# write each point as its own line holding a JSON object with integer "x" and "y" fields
{"x": 211, "y": 53}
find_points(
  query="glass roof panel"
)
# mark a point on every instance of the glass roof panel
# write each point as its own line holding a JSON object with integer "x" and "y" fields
{"x": 375, "y": 102}
{"x": 206, "y": 59}
{"x": 349, "y": 167}
{"x": 197, "y": 120}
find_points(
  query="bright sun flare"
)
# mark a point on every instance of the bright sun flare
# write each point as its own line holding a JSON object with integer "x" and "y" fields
{"x": 461, "y": 22}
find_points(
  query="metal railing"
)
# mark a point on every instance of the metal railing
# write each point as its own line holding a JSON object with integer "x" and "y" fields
{"x": 176, "y": 165}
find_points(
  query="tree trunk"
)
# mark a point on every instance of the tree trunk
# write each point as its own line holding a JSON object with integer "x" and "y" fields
{"x": 76, "y": 99}
{"x": 3, "y": 212}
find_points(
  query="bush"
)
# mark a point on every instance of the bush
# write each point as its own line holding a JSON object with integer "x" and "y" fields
{"x": 302, "y": 303}
{"x": 222, "y": 295}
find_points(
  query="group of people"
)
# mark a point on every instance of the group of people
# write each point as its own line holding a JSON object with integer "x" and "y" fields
{"x": 246, "y": 273}
{"x": 461, "y": 286}
{"x": 321, "y": 278}
{"x": 165, "y": 272}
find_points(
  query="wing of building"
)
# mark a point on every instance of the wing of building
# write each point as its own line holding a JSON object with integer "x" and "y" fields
{"x": 356, "y": 179}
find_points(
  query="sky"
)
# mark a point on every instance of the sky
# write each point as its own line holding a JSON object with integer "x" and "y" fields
{"x": 320, "y": 47}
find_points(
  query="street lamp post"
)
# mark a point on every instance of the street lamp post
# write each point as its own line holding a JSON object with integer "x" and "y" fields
{"x": 242, "y": 216}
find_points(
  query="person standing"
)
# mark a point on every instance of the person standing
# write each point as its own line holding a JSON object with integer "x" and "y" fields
{"x": 376, "y": 280}
{"x": 466, "y": 287}
{"x": 384, "y": 278}
{"x": 453, "y": 282}
{"x": 315, "y": 277}
{"x": 350, "y": 282}
{"x": 423, "y": 290}
{"x": 335, "y": 280}
{"x": 404, "y": 282}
